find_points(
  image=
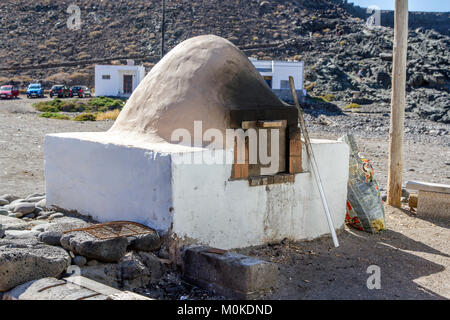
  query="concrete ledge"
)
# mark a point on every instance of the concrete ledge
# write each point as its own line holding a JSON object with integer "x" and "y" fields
{"x": 229, "y": 274}
{"x": 427, "y": 186}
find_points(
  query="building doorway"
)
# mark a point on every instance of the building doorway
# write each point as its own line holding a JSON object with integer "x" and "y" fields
{"x": 127, "y": 84}
{"x": 268, "y": 81}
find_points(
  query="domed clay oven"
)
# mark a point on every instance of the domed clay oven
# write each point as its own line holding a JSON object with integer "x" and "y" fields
{"x": 133, "y": 171}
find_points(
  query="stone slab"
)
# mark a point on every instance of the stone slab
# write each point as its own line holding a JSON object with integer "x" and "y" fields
{"x": 433, "y": 204}
{"x": 230, "y": 274}
{"x": 71, "y": 288}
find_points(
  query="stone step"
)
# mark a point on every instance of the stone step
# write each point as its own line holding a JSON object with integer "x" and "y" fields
{"x": 228, "y": 274}
{"x": 71, "y": 288}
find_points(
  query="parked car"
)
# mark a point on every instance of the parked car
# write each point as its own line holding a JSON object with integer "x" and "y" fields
{"x": 9, "y": 92}
{"x": 35, "y": 90}
{"x": 81, "y": 91}
{"x": 61, "y": 91}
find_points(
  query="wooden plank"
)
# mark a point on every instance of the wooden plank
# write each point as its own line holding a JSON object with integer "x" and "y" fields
{"x": 240, "y": 171}
{"x": 398, "y": 101}
{"x": 273, "y": 124}
{"x": 427, "y": 186}
{"x": 295, "y": 164}
{"x": 295, "y": 147}
{"x": 249, "y": 125}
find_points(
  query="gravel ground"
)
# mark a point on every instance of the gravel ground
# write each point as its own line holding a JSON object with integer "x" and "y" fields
{"x": 22, "y": 135}
{"x": 413, "y": 254}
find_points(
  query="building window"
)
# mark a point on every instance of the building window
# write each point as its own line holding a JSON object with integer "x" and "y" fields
{"x": 106, "y": 77}
{"x": 284, "y": 84}
{"x": 264, "y": 69}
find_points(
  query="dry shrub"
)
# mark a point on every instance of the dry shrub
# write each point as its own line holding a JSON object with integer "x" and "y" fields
{"x": 78, "y": 78}
{"x": 353, "y": 106}
{"x": 108, "y": 115}
{"x": 95, "y": 34}
{"x": 57, "y": 78}
{"x": 4, "y": 80}
{"x": 83, "y": 56}
{"x": 310, "y": 86}
{"x": 51, "y": 43}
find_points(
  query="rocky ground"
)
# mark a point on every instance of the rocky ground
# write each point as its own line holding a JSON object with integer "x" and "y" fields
{"x": 35, "y": 244}
{"x": 329, "y": 36}
{"x": 413, "y": 254}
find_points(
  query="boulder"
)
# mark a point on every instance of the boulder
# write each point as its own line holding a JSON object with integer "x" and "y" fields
{"x": 40, "y": 227}
{"x": 24, "y": 208}
{"x": 51, "y": 233}
{"x": 67, "y": 224}
{"x": 134, "y": 270}
{"x": 29, "y": 216}
{"x": 23, "y": 260}
{"x": 10, "y": 223}
{"x": 35, "y": 199}
{"x": 3, "y": 202}
{"x": 41, "y": 204}
{"x": 383, "y": 79}
{"x": 51, "y": 237}
{"x": 145, "y": 242}
{"x": 82, "y": 243}
{"x": 79, "y": 261}
{"x": 12, "y": 205}
{"x": 20, "y": 234}
{"x": 56, "y": 215}
{"x": 35, "y": 195}
{"x": 386, "y": 56}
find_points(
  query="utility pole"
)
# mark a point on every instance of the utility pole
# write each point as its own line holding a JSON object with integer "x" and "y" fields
{"x": 163, "y": 27}
{"x": 398, "y": 101}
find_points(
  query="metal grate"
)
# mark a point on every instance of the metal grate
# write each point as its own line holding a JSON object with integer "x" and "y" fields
{"x": 116, "y": 229}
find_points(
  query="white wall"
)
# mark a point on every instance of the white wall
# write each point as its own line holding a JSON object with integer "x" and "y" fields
{"x": 119, "y": 182}
{"x": 231, "y": 214}
{"x": 281, "y": 70}
{"x": 109, "y": 182}
{"x": 114, "y": 85}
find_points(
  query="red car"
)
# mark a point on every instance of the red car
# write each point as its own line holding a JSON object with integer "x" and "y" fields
{"x": 9, "y": 92}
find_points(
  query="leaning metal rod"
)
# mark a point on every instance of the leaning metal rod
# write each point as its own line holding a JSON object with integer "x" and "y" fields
{"x": 313, "y": 162}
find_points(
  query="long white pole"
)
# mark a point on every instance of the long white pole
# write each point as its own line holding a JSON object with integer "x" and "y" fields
{"x": 314, "y": 166}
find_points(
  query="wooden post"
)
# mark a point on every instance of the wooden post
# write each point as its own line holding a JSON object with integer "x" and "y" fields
{"x": 398, "y": 101}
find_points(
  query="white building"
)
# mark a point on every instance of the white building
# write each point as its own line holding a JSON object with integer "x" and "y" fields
{"x": 117, "y": 81}
{"x": 276, "y": 74}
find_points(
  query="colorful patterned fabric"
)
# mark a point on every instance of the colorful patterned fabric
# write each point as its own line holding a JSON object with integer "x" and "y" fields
{"x": 365, "y": 209}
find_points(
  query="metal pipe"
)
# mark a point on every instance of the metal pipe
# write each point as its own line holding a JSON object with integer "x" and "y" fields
{"x": 313, "y": 162}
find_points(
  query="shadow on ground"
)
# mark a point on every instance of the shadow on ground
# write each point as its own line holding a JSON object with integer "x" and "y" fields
{"x": 317, "y": 270}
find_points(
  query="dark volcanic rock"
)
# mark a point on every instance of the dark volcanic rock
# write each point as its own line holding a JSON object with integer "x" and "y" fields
{"x": 82, "y": 243}
{"x": 22, "y": 260}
